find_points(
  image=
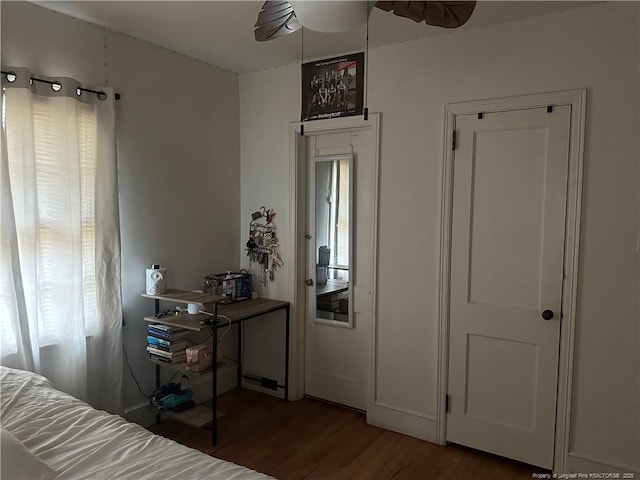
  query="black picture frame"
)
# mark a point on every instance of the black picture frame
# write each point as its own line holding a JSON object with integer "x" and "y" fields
{"x": 333, "y": 87}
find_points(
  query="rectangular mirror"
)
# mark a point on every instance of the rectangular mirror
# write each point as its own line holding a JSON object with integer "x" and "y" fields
{"x": 332, "y": 185}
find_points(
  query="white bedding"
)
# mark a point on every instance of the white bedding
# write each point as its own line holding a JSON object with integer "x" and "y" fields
{"x": 80, "y": 442}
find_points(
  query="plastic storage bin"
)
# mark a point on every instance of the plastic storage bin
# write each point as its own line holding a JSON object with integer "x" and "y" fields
{"x": 234, "y": 286}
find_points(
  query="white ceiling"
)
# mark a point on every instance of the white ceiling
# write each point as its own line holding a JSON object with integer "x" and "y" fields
{"x": 221, "y": 32}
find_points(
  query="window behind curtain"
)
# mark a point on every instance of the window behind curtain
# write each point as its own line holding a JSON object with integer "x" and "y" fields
{"x": 65, "y": 223}
{"x": 60, "y": 240}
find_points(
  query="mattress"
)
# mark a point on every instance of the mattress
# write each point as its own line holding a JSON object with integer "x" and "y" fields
{"x": 79, "y": 442}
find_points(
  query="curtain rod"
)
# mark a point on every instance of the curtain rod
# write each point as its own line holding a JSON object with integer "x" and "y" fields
{"x": 101, "y": 95}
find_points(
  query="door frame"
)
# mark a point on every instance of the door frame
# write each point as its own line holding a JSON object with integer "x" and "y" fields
{"x": 577, "y": 100}
{"x": 297, "y": 218}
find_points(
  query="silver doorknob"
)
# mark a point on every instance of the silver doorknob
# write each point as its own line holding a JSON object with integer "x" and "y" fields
{"x": 309, "y": 282}
{"x": 547, "y": 314}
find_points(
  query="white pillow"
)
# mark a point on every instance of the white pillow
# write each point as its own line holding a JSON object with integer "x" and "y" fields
{"x": 18, "y": 463}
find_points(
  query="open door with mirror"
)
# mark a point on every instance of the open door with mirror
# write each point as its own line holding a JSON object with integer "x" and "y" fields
{"x": 331, "y": 185}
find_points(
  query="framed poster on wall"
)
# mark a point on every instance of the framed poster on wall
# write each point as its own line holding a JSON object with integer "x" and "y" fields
{"x": 333, "y": 87}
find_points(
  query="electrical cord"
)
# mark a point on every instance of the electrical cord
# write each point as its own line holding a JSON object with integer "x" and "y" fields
{"x": 136, "y": 380}
{"x": 226, "y": 329}
{"x": 126, "y": 358}
{"x": 224, "y": 333}
{"x": 211, "y": 328}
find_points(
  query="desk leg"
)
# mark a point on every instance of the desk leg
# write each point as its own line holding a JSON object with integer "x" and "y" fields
{"x": 286, "y": 354}
{"x": 157, "y": 386}
{"x": 157, "y": 308}
{"x": 214, "y": 381}
{"x": 239, "y": 353}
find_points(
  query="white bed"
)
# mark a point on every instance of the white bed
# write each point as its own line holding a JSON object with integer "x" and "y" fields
{"x": 77, "y": 441}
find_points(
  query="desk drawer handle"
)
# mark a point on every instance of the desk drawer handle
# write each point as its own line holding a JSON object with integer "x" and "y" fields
{"x": 309, "y": 282}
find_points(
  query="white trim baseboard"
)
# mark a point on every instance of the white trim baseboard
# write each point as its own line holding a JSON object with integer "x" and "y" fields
{"x": 408, "y": 422}
{"x": 227, "y": 380}
{"x": 406, "y": 411}
{"x": 135, "y": 407}
{"x": 584, "y": 463}
{"x": 255, "y": 386}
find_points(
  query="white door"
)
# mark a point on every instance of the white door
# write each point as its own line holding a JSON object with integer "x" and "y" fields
{"x": 337, "y": 349}
{"x": 509, "y": 202}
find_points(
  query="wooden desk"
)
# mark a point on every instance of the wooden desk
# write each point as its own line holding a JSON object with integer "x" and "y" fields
{"x": 247, "y": 309}
{"x": 331, "y": 287}
{"x": 244, "y": 310}
{"x": 237, "y": 313}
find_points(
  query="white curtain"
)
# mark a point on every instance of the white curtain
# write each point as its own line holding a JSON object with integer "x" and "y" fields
{"x": 60, "y": 299}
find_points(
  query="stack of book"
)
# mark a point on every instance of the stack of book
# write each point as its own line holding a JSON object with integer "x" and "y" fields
{"x": 167, "y": 344}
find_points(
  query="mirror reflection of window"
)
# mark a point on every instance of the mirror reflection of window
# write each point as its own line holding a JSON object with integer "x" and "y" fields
{"x": 339, "y": 234}
{"x": 332, "y": 233}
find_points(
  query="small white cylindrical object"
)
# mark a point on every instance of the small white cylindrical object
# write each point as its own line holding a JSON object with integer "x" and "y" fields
{"x": 193, "y": 308}
{"x": 156, "y": 280}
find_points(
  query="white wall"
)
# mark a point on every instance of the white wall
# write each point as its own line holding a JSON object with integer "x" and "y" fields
{"x": 596, "y": 47}
{"x": 266, "y": 110}
{"x": 177, "y": 128}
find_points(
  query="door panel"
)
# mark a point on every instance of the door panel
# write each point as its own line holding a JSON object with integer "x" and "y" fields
{"x": 514, "y": 407}
{"x": 338, "y": 359}
{"x": 499, "y": 273}
{"x": 509, "y": 201}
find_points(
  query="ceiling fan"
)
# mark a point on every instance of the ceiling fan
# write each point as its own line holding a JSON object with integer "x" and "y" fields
{"x": 278, "y": 18}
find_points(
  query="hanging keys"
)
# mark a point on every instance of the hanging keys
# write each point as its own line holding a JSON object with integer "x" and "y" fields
{"x": 262, "y": 246}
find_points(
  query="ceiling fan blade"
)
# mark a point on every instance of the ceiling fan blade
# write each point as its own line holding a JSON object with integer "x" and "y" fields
{"x": 439, "y": 14}
{"x": 276, "y": 19}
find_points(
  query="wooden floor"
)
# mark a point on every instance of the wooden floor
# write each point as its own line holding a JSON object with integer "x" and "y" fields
{"x": 309, "y": 439}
